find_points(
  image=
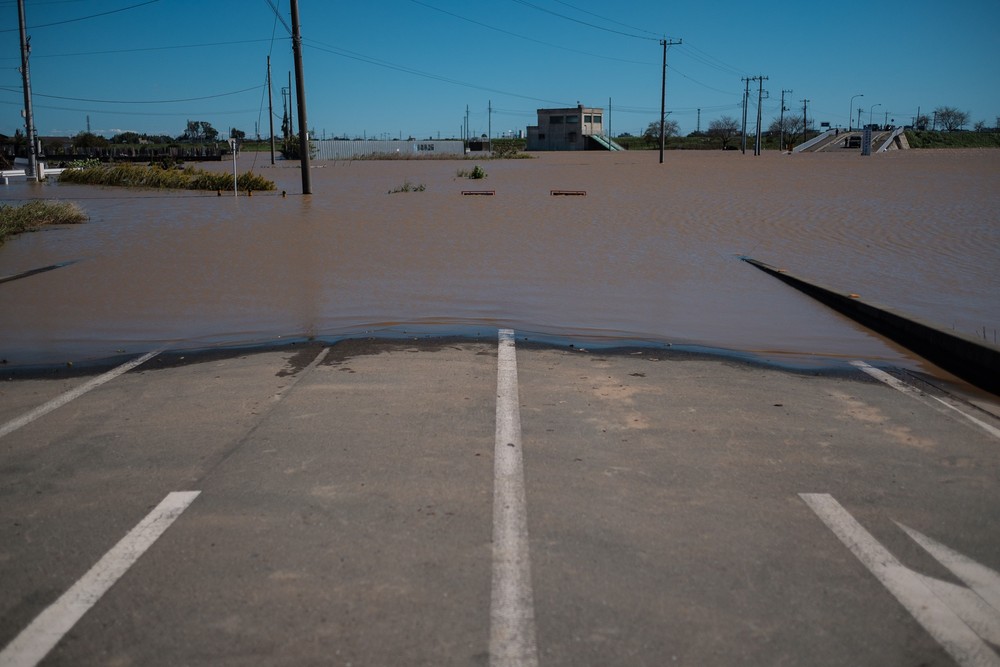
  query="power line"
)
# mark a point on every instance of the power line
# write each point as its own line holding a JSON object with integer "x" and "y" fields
{"x": 319, "y": 46}
{"x": 133, "y": 113}
{"x": 278, "y": 15}
{"x": 85, "y": 18}
{"x": 147, "y": 48}
{"x": 189, "y": 99}
{"x": 605, "y": 18}
{"x": 709, "y": 60}
{"x": 589, "y": 25}
{"x": 529, "y": 39}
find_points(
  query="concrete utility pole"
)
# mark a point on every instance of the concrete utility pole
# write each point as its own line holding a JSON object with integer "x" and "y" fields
{"x": 781, "y": 120}
{"x": 743, "y": 132}
{"x": 805, "y": 126}
{"x": 270, "y": 107}
{"x": 663, "y": 95}
{"x": 760, "y": 99}
{"x": 291, "y": 108}
{"x": 29, "y": 119}
{"x": 300, "y": 91}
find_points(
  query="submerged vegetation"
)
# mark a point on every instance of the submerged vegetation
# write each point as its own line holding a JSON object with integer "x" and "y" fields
{"x": 188, "y": 178}
{"x": 408, "y": 187}
{"x": 35, "y": 214}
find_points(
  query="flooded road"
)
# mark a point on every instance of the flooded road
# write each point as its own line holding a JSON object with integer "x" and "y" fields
{"x": 649, "y": 254}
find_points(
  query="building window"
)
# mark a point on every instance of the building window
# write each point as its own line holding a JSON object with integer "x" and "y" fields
{"x": 597, "y": 119}
{"x": 588, "y": 119}
{"x": 555, "y": 120}
{"x": 541, "y": 135}
{"x": 572, "y": 120}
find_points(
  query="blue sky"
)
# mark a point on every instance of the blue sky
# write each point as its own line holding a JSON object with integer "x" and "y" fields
{"x": 411, "y": 67}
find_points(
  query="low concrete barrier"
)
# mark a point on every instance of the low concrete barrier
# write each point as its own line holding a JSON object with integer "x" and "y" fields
{"x": 973, "y": 360}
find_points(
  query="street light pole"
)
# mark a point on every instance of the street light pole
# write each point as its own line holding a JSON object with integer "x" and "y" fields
{"x": 871, "y": 110}
{"x": 850, "y": 114}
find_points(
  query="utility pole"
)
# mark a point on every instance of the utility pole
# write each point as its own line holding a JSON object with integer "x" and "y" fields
{"x": 663, "y": 95}
{"x": 291, "y": 108}
{"x": 805, "y": 126}
{"x": 781, "y": 120}
{"x": 489, "y": 129}
{"x": 698, "y": 126}
{"x": 270, "y": 107}
{"x": 466, "y": 130}
{"x": 29, "y": 118}
{"x": 300, "y": 92}
{"x": 743, "y": 132}
{"x": 760, "y": 98}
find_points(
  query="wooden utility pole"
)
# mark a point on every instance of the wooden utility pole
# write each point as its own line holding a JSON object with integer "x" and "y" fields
{"x": 300, "y": 92}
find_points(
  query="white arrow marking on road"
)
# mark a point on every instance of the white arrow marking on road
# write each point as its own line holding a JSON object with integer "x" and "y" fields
{"x": 958, "y": 618}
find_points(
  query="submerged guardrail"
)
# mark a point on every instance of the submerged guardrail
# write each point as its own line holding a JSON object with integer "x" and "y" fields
{"x": 973, "y": 360}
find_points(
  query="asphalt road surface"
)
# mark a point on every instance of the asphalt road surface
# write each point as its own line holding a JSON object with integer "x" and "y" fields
{"x": 473, "y": 503}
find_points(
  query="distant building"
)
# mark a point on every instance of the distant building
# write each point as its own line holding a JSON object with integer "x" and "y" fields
{"x": 574, "y": 129}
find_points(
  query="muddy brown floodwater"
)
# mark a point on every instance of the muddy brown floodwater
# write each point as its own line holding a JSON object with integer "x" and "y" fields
{"x": 649, "y": 254}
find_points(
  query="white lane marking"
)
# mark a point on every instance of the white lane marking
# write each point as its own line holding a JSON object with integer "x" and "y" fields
{"x": 908, "y": 587}
{"x": 41, "y": 636}
{"x": 63, "y": 399}
{"x": 984, "y": 581}
{"x": 512, "y": 609}
{"x": 899, "y": 385}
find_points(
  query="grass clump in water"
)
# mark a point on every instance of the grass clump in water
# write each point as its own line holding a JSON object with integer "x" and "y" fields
{"x": 408, "y": 187}
{"x": 476, "y": 172}
{"x": 189, "y": 178}
{"x": 35, "y": 214}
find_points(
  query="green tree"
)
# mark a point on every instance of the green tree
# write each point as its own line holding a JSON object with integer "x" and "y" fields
{"x": 199, "y": 131}
{"x": 126, "y": 138}
{"x": 89, "y": 140}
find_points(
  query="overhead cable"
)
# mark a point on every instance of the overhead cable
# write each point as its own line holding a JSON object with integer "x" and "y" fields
{"x": 85, "y": 18}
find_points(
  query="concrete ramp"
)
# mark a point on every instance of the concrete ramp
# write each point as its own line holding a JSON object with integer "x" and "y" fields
{"x": 607, "y": 143}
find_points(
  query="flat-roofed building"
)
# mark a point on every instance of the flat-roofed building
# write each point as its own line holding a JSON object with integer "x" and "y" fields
{"x": 577, "y": 128}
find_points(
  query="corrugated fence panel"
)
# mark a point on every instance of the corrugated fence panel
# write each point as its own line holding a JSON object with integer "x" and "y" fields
{"x": 339, "y": 149}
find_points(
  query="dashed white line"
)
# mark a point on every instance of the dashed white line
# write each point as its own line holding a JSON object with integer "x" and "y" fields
{"x": 909, "y": 588}
{"x": 63, "y": 399}
{"x": 512, "y": 609}
{"x": 41, "y": 636}
{"x": 905, "y": 388}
